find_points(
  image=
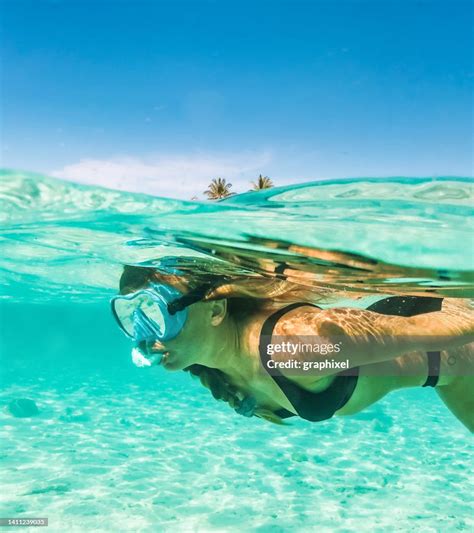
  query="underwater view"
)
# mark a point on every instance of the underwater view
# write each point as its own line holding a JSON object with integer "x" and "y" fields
{"x": 95, "y": 439}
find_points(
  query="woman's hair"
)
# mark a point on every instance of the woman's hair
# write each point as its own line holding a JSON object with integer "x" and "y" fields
{"x": 245, "y": 293}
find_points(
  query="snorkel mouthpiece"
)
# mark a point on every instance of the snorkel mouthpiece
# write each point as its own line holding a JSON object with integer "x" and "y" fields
{"x": 140, "y": 360}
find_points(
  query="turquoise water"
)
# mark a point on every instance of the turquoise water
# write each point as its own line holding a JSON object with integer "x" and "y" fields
{"x": 119, "y": 448}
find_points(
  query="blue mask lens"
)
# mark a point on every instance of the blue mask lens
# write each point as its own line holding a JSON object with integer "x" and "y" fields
{"x": 144, "y": 328}
{"x": 144, "y": 315}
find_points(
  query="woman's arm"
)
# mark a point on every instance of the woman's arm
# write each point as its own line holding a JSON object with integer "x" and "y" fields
{"x": 366, "y": 337}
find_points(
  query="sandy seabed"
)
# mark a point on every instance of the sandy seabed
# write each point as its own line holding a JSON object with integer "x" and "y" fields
{"x": 103, "y": 456}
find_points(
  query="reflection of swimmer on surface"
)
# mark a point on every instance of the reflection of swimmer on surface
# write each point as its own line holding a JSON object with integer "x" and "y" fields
{"x": 312, "y": 266}
{"x": 218, "y": 328}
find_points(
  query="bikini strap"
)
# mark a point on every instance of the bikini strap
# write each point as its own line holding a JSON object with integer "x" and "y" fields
{"x": 434, "y": 364}
{"x": 269, "y": 326}
{"x": 412, "y": 306}
{"x": 266, "y": 332}
{"x": 270, "y": 322}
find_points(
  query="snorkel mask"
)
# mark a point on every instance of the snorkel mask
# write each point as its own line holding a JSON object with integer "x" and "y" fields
{"x": 157, "y": 312}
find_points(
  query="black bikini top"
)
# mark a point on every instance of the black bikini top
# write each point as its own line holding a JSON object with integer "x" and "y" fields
{"x": 317, "y": 406}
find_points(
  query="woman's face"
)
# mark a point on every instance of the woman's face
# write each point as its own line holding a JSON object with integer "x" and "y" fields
{"x": 192, "y": 343}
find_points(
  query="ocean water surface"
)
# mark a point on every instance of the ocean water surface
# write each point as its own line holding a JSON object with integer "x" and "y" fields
{"x": 114, "y": 447}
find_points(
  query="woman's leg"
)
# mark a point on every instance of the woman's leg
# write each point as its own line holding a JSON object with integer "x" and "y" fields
{"x": 411, "y": 370}
{"x": 456, "y": 379}
{"x": 377, "y": 380}
{"x": 457, "y": 392}
{"x": 459, "y": 399}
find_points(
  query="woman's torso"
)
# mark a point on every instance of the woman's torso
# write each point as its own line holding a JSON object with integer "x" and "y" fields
{"x": 374, "y": 380}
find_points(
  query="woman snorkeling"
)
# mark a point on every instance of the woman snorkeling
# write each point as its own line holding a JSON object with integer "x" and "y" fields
{"x": 219, "y": 327}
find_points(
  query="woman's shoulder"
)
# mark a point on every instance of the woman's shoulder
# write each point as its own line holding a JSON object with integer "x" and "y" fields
{"x": 292, "y": 319}
{"x": 296, "y": 324}
{"x": 282, "y": 319}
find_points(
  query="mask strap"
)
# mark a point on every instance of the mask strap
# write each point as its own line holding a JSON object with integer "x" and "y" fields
{"x": 192, "y": 297}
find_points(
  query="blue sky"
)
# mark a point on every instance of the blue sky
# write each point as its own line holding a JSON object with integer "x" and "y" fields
{"x": 163, "y": 96}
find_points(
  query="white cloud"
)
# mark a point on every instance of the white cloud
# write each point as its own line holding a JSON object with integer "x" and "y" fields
{"x": 177, "y": 175}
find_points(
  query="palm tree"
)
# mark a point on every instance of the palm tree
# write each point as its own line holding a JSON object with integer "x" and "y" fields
{"x": 218, "y": 189}
{"x": 263, "y": 182}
